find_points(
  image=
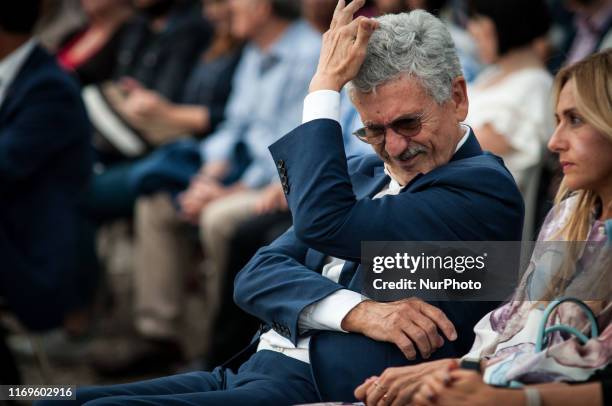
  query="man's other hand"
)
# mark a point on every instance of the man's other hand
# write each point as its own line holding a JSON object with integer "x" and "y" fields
{"x": 409, "y": 324}
{"x": 344, "y": 47}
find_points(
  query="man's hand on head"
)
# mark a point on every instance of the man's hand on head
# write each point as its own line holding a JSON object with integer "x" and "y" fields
{"x": 410, "y": 324}
{"x": 344, "y": 47}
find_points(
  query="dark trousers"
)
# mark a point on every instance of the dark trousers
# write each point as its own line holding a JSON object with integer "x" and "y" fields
{"x": 267, "y": 378}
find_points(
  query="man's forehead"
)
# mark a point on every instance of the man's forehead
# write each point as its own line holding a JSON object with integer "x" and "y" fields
{"x": 402, "y": 97}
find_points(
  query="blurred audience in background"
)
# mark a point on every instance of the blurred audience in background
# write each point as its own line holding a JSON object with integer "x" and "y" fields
{"x": 90, "y": 52}
{"x": 591, "y": 30}
{"x": 268, "y": 219}
{"x": 510, "y": 109}
{"x": 58, "y": 19}
{"x": 161, "y": 44}
{"x": 184, "y": 98}
{"x": 156, "y": 52}
{"x": 45, "y": 162}
{"x": 269, "y": 85}
{"x": 202, "y": 103}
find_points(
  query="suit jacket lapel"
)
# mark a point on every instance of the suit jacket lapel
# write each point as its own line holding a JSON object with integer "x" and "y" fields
{"x": 469, "y": 149}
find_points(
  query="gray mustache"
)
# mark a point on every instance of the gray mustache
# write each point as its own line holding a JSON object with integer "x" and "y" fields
{"x": 411, "y": 152}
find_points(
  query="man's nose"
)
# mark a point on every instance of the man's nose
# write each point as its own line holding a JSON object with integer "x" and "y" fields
{"x": 395, "y": 144}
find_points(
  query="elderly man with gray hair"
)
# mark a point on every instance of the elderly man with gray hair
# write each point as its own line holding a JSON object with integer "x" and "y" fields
{"x": 428, "y": 180}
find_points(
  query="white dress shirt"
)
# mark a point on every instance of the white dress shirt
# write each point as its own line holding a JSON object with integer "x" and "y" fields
{"x": 328, "y": 313}
{"x": 11, "y": 64}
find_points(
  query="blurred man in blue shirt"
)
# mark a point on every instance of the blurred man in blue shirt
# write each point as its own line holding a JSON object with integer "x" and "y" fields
{"x": 269, "y": 85}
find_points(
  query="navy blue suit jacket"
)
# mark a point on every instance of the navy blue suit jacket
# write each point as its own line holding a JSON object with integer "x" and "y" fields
{"x": 472, "y": 198}
{"x": 45, "y": 160}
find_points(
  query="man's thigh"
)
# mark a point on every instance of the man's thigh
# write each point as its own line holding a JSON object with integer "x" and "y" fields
{"x": 266, "y": 379}
{"x": 264, "y": 393}
{"x": 194, "y": 382}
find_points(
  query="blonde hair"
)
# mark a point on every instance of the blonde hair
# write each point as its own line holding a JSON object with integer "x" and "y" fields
{"x": 592, "y": 85}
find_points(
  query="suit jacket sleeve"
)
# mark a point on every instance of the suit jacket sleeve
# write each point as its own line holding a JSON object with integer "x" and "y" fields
{"x": 45, "y": 123}
{"x": 276, "y": 286}
{"x": 472, "y": 202}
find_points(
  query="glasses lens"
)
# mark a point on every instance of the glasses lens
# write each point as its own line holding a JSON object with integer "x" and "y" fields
{"x": 371, "y": 135}
{"x": 407, "y": 127}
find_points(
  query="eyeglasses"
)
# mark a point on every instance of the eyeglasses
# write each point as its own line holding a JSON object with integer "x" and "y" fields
{"x": 407, "y": 126}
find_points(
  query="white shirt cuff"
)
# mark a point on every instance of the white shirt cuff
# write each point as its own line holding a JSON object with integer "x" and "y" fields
{"x": 322, "y": 104}
{"x": 327, "y": 314}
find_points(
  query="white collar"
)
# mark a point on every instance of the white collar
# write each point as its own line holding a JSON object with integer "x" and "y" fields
{"x": 11, "y": 64}
{"x": 466, "y": 135}
{"x": 395, "y": 185}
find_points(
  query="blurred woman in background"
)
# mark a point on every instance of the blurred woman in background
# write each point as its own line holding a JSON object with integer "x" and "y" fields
{"x": 90, "y": 52}
{"x": 510, "y": 107}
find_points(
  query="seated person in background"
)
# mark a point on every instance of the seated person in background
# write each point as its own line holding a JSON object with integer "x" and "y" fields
{"x": 505, "y": 338}
{"x": 268, "y": 219}
{"x": 161, "y": 44}
{"x": 202, "y": 106}
{"x": 90, "y": 52}
{"x": 228, "y": 247}
{"x": 269, "y": 86}
{"x": 45, "y": 162}
{"x": 157, "y": 50}
{"x": 510, "y": 100}
{"x": 430, "y": 181}
{"x": 592, "y": 30}
{"x": 58, "y": 19}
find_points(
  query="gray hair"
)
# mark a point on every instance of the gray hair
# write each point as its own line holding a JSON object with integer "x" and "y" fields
{"x": 416, "y": 44}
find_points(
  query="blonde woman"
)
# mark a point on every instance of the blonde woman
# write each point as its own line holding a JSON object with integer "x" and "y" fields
{"x": 582, "y": 218}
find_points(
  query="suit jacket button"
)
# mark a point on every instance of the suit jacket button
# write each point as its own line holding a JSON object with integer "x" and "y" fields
{"x": 280, "y": 164}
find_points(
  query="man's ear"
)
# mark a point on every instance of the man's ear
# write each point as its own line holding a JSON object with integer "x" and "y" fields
{"x": 459, "y": 98}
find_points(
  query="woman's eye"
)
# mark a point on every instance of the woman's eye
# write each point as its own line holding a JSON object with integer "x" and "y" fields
{"x": 575, "y": 120}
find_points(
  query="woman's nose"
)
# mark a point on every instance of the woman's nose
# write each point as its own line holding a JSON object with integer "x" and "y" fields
{"x": 557, "y": 142}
